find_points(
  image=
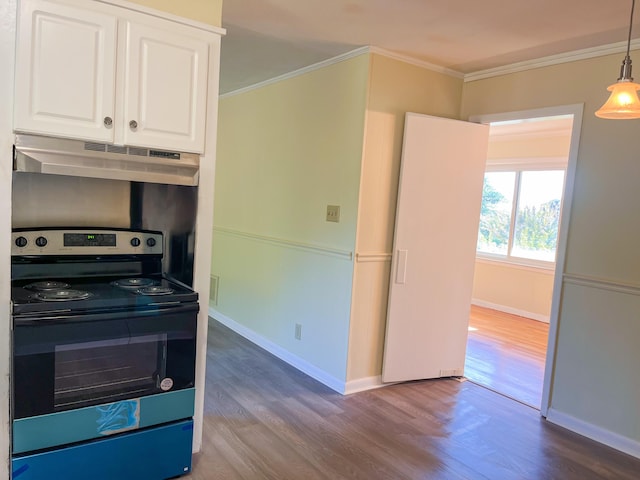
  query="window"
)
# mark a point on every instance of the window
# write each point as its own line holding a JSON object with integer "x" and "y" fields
{"x": 520, "y": 214}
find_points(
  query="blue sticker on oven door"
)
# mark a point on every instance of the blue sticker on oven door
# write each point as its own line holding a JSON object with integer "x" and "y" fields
{"x": 118, "y": 417}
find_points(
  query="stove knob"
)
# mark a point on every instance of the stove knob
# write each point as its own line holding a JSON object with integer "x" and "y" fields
{"x": 21, "y": 242}
{"x": 135, "y": 242}
{"x": 151, "y": 242}
{"x": 41, "y": 242}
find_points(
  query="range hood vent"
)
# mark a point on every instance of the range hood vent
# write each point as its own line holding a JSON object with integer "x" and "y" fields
{"x": 77, "y": 158}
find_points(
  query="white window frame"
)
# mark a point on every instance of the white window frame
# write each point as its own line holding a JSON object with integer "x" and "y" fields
{"x": 518, "y": 166}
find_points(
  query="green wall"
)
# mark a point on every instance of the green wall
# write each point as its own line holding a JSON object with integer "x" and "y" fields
{"x": 285, "y": 152}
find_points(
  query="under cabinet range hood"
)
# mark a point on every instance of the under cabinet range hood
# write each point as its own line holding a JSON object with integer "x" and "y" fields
{"x": 79, "y": 158}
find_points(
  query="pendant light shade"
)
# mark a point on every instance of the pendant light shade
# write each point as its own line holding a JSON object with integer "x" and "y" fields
{"x": 623, "y": 102}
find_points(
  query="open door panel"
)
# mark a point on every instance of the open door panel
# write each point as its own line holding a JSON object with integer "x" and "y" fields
{"x": 438, "y": 211}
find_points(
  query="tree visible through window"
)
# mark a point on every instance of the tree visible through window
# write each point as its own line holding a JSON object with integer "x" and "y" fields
{"x": 520, "y": 214}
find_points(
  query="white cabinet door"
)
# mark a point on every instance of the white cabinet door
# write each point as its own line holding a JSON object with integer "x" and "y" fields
{"x": 165, "y": 88}
{"x": 65, "y": 71}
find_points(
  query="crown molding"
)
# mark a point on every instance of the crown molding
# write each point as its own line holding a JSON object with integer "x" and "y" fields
{"x": 558, "y": 59}
{"x": 300, "y": 71}
{"x": 341, "y": 58}
{"x": 552, "y": 60}
{"x": 416, "y": 62}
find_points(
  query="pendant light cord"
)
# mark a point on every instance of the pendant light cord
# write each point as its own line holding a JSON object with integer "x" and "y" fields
{"x": 633, "y": 5}
{"x": 623, "y": 103}
{"x": 625, "y": 69}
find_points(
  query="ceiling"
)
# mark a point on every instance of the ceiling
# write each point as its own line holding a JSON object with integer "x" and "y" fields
{"x": 268, "y": 38}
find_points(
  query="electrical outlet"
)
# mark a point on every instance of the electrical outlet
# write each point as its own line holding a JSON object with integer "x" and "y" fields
{"x": 298, "y": 333}
{"x": 333, "y": 213}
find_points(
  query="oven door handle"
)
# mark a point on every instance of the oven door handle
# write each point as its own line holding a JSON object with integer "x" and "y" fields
{"x": 53, "y": 318}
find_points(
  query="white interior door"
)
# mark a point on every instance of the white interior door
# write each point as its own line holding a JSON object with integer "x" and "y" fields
{"x": 436, "y": 230}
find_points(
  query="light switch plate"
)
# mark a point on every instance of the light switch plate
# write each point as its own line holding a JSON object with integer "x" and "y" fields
{"x": 333, "y": 213}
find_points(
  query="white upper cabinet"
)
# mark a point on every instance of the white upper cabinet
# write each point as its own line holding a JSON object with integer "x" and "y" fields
{"x": 165, "y": 89}
{"x": 65, "y": 71}
{"x": 102, "y": 73}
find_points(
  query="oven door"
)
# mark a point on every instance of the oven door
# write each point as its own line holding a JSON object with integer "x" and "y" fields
{"x": 64, "y": 362}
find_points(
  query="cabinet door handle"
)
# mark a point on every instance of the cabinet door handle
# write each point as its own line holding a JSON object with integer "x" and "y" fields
{"x": 108, "y": 121}
{"x": 133, "y": 124}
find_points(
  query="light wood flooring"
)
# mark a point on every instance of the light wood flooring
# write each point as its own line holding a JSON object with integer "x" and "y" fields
{"x": 507, "y": 354}
{"x": 266, "y": 420}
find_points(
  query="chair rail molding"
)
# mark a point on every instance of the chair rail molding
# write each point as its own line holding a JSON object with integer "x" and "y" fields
{"x": 313, "y": 248}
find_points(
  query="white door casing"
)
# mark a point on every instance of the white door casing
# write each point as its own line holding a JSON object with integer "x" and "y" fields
{"x": 576, "y": 110}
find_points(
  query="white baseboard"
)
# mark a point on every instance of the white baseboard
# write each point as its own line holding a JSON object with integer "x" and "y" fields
{"x": 599, "y": 434}
{"x": 284, "y": 355}
{"x": 362, "y": 384}
{"x": 511, "y": 310}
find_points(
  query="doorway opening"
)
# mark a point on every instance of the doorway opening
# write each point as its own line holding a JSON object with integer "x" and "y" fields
{"x": 527, "y": 185}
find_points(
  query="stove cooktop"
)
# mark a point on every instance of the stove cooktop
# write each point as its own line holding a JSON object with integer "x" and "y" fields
{"x": 94, "y": 295}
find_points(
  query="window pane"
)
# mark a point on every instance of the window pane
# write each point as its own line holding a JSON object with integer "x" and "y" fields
{"x": 538, "y": 215}
{"x": 495, "y": 212}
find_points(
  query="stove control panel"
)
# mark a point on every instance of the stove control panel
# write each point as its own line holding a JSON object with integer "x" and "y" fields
{"x": 86, "y": 242}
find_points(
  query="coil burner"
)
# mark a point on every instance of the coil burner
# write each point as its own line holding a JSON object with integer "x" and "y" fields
{"x": 155, "y": 290}
{"x": 133, "y": 283}
{"x": 47, "y": 285}
{"x": 61, "y": 295}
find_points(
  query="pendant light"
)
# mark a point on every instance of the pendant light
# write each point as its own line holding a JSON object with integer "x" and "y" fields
{"x": 623, "y": 102}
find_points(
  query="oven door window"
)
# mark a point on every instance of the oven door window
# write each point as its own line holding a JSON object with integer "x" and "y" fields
{"x": 63, "y": 363}
{"x": 108, "y": 370}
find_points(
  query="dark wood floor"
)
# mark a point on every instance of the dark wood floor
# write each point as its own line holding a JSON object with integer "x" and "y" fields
{"x": 507, "y": 353}
{"x": 266, "y": 420}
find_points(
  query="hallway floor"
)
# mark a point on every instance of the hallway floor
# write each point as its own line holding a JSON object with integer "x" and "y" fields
{"x": 507, "y": 354}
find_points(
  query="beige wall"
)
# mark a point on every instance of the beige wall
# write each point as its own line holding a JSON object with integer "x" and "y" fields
{"x": 206, "y": 11}
{"x": 286, "y": 151}
{"x": 520, "y": 290}
{"x": 395, "y": 88}
{"x": 595, "y": 383}
{"x": 556, "y": 146}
